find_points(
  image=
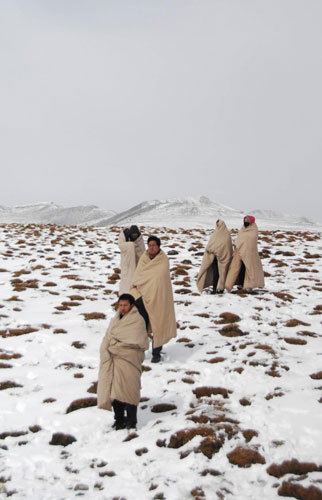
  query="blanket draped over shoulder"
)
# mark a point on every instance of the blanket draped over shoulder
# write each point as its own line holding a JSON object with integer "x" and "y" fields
{"x": 121, "y": 357}
{"x": 152, "y": 282}
{"x": 219, "y": 246}
{"x": 246, "y": 251}
{"x": 131, "y": 252}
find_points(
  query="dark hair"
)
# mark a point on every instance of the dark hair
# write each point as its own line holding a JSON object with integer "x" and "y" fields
{"x": 127, "y": 296}
{"x": 156, "y": 239}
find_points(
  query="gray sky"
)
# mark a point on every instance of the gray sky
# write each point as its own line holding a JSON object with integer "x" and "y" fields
{"x": 115, "y": 102}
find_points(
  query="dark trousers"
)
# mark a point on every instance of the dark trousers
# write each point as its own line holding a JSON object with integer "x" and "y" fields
{"x": 241, "y": 276}
{"x": 215, "y": 274}
{"x": 119, "y": 412}
{"x": 144, "y": 313}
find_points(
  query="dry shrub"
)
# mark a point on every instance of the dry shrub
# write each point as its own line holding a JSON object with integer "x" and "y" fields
{"x": 201, "y": 392}
{"x": 306, "y": 333}
{"x": 316, "y": 376}
{"x": 295, "y": 322}
{"x": 93, "y": 388}
{"x": 50, "y": 283}
{"x": 249, "y": 434}
{"x": 60, "y": 439}
{"x": 295, "y": 341}
{"x": 245, "y": 402}
{"x": 289, "y": 489}
{"x": 180, "y": 438}
{"x": 184, "y": 340}
{"x": 81, "y": 287}
{"x": 266, "y": 348}
{"x": 35, "y": 428}
{"x": 227, "y": 317}
{"x": 216, "y": 360}
{"x": 183, "y": 291}
{"x": 141, "y": 451}
{"x": 211, "y": 472}
{"x": 15, "y": 332}
{"x": 187, "y": 380}
{"x": 209, "y": 446}
{"x": 300, "y": 270}
{"x": 7, "y": 355}
{"x": 4, "y": 435}
{"x": 94, "y": 315}
{"x": 78, "y": 345}
{"x": 292, "y": 467}
{"x": 272, "y": 395}
{"x": 245, "y": 457}
{"x": 284, "y": 296}
{"x": 162, "y": 407}
{"x": 59, "y": 330}
{"x": 130, "y": 436}
{"x": 78, "y": 404}
{"x": 232, "y": 330}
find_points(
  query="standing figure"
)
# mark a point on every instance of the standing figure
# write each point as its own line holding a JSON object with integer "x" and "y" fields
{"x": 216, "y": 260}
{"x": 131, "y": 244}
{"x": 246, "y": 268}
{"x": 152, "y": 290}
{"x": 121, "y": 358}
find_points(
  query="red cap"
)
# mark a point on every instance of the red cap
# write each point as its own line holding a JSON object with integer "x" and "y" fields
{"x": 251, "y": 219}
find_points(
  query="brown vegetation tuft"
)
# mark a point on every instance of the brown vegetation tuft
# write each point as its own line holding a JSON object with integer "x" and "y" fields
{"x": 201, "y": 392}
{"x": 232, "y": 330}
{"x": 78, "y": 404}
{"x": 245, "y": 457}
{"x": 289, "y": 489}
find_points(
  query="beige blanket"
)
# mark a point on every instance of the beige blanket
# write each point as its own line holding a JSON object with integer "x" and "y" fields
{"x": 219, "y": 246}
{"x": 152, "y": 282}
{"x": 246, "y": 251}
{"x": 131, "y": 252}
{"x": 121, "y": 357}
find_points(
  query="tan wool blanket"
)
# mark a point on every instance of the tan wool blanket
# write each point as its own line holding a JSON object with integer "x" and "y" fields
{"x": 121, "y": 357}
{"x": 219, "y": 246}
{"x": 131, "y": 252}
{"x": 152, "y": 282}
{"x": 246, "y": 251}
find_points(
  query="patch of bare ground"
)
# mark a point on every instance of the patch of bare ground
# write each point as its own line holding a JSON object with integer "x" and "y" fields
{"x": 295, "y": 490}
{"x": 206, "y": 391}
{"x": 163, "y": 407}
{"x": 232, "y": 330}
{"x": 8, "y": 355}
{"x": 245, "y": 457}
{"x": 78, "y": 404}
{"x": 216, "y": 360}
{"x": 60, "y": 439}
{"x": 94, "y": 315}
{"x": 8, "y": 384}
{"x": 267, "y": 348}
{"x": 4, "y": 435}
{"x": 292, "y": 467}
{"x": 305, "y": 333}
{"x": 210, "y": 445}
{"x": 227, "y": 317}
{"x": 15, "y": 332}
{"x": 295, "y": 341}
{"x": 286, "y": 297}
{"x": 316, "y": 376}
{"x": 295, "y": 322}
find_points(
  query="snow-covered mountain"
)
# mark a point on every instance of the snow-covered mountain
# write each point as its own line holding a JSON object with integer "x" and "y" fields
{"x": 201, "y": 212}
{"x": 50, "y": 213}
{"x": 176, "y": 212}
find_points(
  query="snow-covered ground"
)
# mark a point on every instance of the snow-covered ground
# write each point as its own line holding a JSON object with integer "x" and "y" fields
{"x": 245, "y": 389}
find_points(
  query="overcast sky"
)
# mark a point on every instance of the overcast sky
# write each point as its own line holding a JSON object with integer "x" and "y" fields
{"x": 112, "y": 102}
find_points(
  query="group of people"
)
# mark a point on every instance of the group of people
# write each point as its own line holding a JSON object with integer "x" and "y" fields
{"x": 222, "y": 267}
{"x": 146, "y": 307}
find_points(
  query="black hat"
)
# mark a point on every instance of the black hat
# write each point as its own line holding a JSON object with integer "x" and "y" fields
{"x": 134, "y": 230}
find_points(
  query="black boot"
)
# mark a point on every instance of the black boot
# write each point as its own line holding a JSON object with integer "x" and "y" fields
{"x": 131, "y": 420}
{"x": 119, "y": 409}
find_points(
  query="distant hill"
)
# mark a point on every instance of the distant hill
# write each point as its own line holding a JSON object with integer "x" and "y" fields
{"x": 176, "y": 212}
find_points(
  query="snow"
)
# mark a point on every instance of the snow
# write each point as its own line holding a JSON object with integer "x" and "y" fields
{"x": 261, "y": 366}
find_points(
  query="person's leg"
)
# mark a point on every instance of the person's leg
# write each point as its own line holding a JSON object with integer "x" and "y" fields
{"x": 141, "y": 308}
{"x": 215, "y": 275}
{"x": 131, "y": 416}
{"x": 156, "y": 353}
{"x": 241, "y": 276}
{"x": 119, "y": 410}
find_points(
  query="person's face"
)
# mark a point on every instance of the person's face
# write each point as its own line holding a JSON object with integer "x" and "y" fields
{"x": 153, "y": 248}
{"x": 246, "y": 219}
{"x": 124, "y": 307}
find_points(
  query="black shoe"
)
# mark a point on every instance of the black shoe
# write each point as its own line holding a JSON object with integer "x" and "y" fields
{"x": 156, "y": 358}
{"x": 220, "y": 291}
{"x": 131, "y": 425}
{"x": 119, "y": 425}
